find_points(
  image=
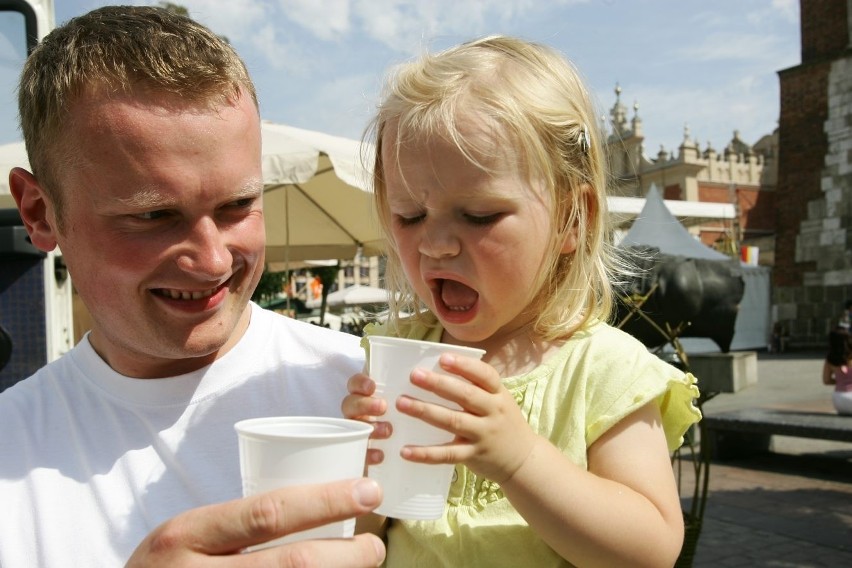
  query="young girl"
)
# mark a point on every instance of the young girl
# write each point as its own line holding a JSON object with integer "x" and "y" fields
{"x": 490, "y": 185}
{"x": 837, "y": 369}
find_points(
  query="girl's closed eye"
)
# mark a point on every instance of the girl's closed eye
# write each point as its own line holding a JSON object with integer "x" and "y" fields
{"x": 408, "y": 220}
{"x": 479, "y": 219}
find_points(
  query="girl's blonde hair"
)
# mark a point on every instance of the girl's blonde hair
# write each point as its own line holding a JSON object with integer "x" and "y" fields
{"x": 538, "y": 101}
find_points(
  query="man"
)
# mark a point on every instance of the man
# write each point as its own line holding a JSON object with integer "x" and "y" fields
{"x": 143, "y": 133}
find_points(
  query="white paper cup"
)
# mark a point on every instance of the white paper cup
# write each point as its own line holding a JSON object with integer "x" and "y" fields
{"x": 411, "y": 490}
{"x": 280, "y": 451}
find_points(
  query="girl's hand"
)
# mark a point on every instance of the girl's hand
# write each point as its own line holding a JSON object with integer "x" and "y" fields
{"x": 492, "y": 437}
{"x": 360, "y": 404}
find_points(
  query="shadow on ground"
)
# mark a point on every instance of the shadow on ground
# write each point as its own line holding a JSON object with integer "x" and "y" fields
{"x": 777, "y": 510}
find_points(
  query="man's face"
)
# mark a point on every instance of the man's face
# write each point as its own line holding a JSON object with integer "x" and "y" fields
{"x": 162, "y": 227}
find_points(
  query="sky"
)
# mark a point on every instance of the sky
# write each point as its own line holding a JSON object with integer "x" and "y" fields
{"x": 703, "y": 67}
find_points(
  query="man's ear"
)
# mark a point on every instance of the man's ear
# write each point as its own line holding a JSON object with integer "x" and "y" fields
{"x": 34, "y": 207}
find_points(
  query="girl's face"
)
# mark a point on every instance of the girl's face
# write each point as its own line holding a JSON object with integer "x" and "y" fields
{"x": 472, "y": 243}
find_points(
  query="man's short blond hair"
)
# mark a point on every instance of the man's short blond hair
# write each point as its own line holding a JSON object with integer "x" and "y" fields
{"x": 118, "y": 50}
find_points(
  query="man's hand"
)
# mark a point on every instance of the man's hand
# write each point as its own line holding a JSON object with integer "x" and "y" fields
{"x": 217, "y": 534}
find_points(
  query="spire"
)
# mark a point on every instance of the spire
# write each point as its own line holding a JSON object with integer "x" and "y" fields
{"x": 636, "y": 123}
{"x": 737, "y": 147}
{"x": 687, "y": 140}
{"x": 618, "y": 113}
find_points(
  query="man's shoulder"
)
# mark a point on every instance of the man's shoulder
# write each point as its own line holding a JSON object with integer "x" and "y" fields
{"x": 62, "y": 365}
{"x": 40, "y": 390}
{"x": 293, "y": 330}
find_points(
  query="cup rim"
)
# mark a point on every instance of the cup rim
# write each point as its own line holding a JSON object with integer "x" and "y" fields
{"x": 450, "y": 348}
{"x": 346, "y": 428}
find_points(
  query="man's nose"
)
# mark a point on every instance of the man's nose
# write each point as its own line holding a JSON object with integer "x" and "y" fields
{"x": 205, "y": 253}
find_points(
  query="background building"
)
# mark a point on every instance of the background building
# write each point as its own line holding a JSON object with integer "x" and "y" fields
{"x": 813, "y": 269}
{"x": 739, "y": 174}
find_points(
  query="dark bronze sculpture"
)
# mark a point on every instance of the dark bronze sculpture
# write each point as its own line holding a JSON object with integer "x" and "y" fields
{"x": 680, "y": 297}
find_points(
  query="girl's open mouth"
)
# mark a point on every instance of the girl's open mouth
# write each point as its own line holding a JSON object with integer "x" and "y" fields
{"x": 455, "y": 296}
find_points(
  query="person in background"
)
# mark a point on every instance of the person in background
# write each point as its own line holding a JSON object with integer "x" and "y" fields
{"x": 490, "y": 183}
{"x": 845, "y": 319}
{"x": 143, "y": 134}
{"x": 837, "y": 369}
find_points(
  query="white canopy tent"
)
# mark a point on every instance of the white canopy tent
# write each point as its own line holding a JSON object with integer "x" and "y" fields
{"x": 656, "y": 226}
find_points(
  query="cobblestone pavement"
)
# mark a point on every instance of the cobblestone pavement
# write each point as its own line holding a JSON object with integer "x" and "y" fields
{"x": 791, "y": 507}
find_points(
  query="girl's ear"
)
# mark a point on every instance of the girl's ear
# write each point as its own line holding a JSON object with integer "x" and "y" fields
{"x": 34, "y": 207}
{"x": 585, "y": 200}
{"x": 569, "y": 245}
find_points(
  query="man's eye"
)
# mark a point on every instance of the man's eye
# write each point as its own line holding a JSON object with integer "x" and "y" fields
{"x": 152, "y": 215}
{"x": 483, "y": 219}
{"x": 243, "y": 203}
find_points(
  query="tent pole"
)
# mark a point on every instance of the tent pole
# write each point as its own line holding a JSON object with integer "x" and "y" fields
{"x": 287, "y": 242}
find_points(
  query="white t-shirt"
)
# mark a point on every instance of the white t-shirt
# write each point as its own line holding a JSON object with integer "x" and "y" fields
{"x": 91, "y": 461}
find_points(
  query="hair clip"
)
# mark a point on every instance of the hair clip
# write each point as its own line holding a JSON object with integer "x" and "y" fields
{"x": 585, "y": 141}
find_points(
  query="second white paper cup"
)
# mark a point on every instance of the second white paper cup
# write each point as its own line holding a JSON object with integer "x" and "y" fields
{"x": 300, "y": 450}
{"x": 411, "y": 490}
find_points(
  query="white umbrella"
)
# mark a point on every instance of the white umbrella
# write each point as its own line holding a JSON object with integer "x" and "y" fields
{"x": 316, "y": 201}
{"x": 353, "y": 296}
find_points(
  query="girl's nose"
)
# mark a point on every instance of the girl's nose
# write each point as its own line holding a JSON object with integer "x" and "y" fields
{"x": 439, "y": 241}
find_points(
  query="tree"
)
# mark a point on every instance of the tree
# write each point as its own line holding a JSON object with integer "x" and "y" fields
{"x": 269, "y": 286}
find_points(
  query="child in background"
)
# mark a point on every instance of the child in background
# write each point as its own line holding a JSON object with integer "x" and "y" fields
{"x": 837, "y": 369}
{"x": 490, "y": 183}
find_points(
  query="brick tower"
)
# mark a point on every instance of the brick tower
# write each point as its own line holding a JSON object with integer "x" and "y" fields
{"x": 813, "y": 250}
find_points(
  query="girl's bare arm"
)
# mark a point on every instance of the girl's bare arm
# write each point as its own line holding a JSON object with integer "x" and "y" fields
{"x": 624, "y": 511}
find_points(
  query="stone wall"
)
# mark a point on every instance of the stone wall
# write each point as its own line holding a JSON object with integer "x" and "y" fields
{"x": 813, "y": 274}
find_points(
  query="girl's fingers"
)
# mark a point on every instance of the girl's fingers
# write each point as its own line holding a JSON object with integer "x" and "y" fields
{"x": 381, "y": 430}
{"x": 467, "y": 395}
{"x": 375, "y": 456}
{"x": 360, "y": 404}
{"x": 448, "y": 453}
{"x": 360, "y": 383}
{"x": 363, "y": 407}
{"x": 457, "y": 422}
{"x": 477, "y": 372}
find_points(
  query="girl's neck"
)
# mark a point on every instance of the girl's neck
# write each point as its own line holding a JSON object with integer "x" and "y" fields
{"x": 515, "y": 353}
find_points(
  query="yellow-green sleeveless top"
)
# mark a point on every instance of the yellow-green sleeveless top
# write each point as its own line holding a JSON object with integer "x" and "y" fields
{"x": 598, "y": 377}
